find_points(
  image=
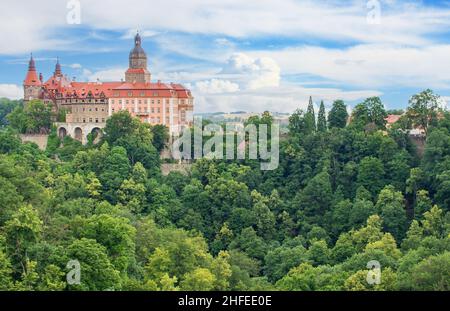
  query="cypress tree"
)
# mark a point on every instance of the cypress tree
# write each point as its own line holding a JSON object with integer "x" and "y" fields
{"x": 310, "y": 117}
{"x": 322, "y": 119}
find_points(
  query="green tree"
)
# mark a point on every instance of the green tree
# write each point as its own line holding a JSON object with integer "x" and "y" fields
{"x": 22, "y": 231}
{"x": 297, "y": 122}
{"x": 280, "y": 260}
{"x": 6, "y": 280}
{"x": 160, "y": 136}
{"x": 338, "y": 115}
{"x": 36, "y": 117}
{"x": 200, "y": 279}
{"x": 116, "y": 235}
{"x": 305, "y": 277}
{"x": 322, "y": 119}
{"x": 370, "y": 114}
{"x": 432, "y": 273}
{"x": 310, "y": 117}
{"x": 97, "y": 272}
{"x": 371, "y": 175}
{"x": 391, "y": 207}
{"x": 423, "y": 109}
{"x": 6, "y": 107}
{"x": 316, "y": 198}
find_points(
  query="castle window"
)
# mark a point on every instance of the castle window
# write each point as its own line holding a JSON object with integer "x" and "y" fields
{"x": 112, "y": 101}
{"x": 130, "y": 94}
{"x": 116, "y": 94}
{"x": 103, "y": 120}
{"x": 84, "y": 120}
{"x": 90, "y": 120}
{"x": 142, "y": 94}
{"x": 96, "y": 120}
{"x": 159, "y": 110}
{"x": 155, "y": 94}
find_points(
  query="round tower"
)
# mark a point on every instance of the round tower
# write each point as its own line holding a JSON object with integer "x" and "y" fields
{"x": 137, "y": 71}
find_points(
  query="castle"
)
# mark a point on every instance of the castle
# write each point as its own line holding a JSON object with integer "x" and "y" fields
{"x": 89, "y": 104}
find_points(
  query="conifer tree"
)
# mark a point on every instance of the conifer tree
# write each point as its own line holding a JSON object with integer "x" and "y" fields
{"x": 322, "y": 119}
{"x": 310, "y": 117}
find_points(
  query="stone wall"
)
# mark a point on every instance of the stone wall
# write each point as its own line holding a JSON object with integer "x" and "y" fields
{"x": 38, "y": 139}
{"x": 79, "y": 131}
{"x": 183, "y": 168}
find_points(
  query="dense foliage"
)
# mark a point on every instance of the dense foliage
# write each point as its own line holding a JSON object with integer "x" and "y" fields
{"x": 343, "y": 195}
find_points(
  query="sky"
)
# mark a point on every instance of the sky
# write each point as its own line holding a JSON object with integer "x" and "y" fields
{"x": 235, "y": 55}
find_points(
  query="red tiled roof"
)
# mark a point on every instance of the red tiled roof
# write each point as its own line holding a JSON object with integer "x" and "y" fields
{"x": 392, "y": 118}
{"x": 82, "y": 89}
{"x": 31, "y": 79}
{"x": 137, "y": 70}
{"x": 61, "y": 85}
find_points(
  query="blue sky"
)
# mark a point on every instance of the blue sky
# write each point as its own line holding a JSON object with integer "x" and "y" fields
{"x": 252, "y": 55}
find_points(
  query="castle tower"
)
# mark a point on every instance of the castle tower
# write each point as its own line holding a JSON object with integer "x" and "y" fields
{"x": 58, "y": 72}
{"x": 31, "y": 84}
{"x": 137, "y": 71}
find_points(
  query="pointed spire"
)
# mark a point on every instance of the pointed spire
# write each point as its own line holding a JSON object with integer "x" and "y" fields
{"x": 137, "y": 39}
{"x": 31, "y": 64}
{"x": 31, "y": 78}
{"x": 58, "y": 71}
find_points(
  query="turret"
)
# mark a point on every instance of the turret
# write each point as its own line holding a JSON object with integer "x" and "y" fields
{"x": 137, "y": 71}
{"x": 58, "y": 72}
{"x": 31, "y": 84}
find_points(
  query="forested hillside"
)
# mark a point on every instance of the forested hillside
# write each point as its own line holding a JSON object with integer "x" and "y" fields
{"x": 343, "y": 195}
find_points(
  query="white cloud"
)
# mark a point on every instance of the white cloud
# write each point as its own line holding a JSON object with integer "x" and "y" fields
{"x": 224, "y": 42}
{"x": 285, "y": 98}
{"x": 255, "y": 72}
{"x": 75, "y": 66}
{"x": 111, "y": 74}
{"x": 373, "y": 65}
{"x": 11, "y": 91}
{"x": 216, "y": 86}
{"x": 403, "y": 22}
{"x": 253, "y": 84}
